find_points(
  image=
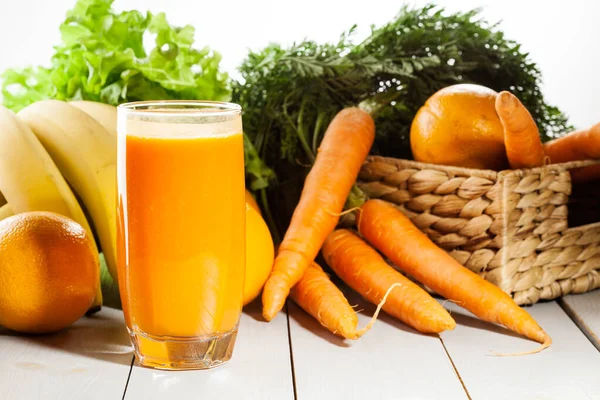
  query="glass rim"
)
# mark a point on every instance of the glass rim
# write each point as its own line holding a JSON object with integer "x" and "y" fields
{"x": 191, "y": 108}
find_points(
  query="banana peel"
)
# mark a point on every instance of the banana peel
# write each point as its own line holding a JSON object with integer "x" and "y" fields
{"x": 5, "y": 212}
{"x": 104, "y": 114}
{"x": 86, "y": 155}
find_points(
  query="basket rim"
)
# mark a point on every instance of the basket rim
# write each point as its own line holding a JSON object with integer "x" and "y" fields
{"x": 483, "y": 173}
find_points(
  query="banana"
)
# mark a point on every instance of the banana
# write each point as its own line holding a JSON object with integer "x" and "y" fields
{"x": 29, "y": 179}
{"x": 104, "y": 114}
{"x": 2, "y": 199}
{"x": 6, "y": 211}
{"x": 86, "y": 155}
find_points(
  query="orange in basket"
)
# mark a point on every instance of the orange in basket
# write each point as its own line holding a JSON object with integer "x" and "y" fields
{"x": 459, "y": 126}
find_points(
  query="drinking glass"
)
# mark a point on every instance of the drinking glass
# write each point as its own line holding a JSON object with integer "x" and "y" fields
{"x": 181, "y": 230}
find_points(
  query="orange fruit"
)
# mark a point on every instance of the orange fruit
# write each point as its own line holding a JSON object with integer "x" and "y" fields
{"x": 251, "y": 201}
{"x": 260, "y": 254}
{"x": 49, "y": 272}
{"x": 459, "y": 126}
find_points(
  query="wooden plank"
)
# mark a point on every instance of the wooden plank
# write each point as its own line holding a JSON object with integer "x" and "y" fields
{"x": 91, "y": 360}
{"x": 391, "y": 361}
{"x": 567, "y": 370}
{"x": 584, "y": 309}
{"x": 259, "y": 369}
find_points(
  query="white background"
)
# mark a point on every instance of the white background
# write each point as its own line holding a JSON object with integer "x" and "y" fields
{"x": 563, "y": 37}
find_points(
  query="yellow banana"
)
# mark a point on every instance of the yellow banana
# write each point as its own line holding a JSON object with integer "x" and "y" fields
{"x": 86, "y": 155}
{"x": 6, "y": 211}
{"x": 104, "y": 114}
{"x": 2, "y": 199}
{"x": 29, "y": 179}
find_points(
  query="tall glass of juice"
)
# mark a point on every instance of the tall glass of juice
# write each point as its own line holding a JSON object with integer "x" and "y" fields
{"x": 181, "y": 230}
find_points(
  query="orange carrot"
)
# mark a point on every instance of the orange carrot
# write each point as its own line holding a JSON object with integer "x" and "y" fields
{"x": 344, "y": 148}
{"x": 365, "y": 271}
{"x": 578, "y": 145}
{"x": 524, "y": 147}
{"x": 319, "y": 297}
{"x": 403, "y": 243}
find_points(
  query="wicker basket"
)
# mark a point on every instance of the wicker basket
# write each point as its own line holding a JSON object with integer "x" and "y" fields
{"x": 516, "y": 228}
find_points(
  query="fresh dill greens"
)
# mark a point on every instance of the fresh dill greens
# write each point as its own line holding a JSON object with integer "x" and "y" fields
{"x": 289, "y": 95}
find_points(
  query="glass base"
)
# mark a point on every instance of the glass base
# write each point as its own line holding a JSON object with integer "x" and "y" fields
{"x": 182, "y": 353}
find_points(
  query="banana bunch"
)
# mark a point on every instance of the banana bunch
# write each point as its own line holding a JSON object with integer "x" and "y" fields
{"x": 54, "y": 155}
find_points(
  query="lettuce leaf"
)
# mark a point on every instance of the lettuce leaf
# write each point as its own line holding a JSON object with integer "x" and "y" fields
{"x": 102, "y": 57}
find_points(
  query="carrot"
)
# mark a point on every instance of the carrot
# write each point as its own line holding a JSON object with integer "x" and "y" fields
{"x": 344, "y": 148}
{"x": 403, "y": 243}
{"x": 319, "y": 297}
{"x": 365, "y": 271}
{"x": 524, "y": 147}
{"x": 579, "y": 145}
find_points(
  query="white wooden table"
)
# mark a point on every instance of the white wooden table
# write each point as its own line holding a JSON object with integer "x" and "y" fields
{"x": 294, "y": 358}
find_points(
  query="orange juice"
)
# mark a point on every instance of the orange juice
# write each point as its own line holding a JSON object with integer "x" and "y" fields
{"x": 181, "y": 230}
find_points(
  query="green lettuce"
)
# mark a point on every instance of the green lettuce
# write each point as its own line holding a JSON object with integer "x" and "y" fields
{"x": 102, "y": 57}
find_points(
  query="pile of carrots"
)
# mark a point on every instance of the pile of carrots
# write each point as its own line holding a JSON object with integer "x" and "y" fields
{"x": 355, "y": 257}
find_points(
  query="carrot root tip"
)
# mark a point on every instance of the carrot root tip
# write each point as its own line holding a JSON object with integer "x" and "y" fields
{"x": 546, "y": 343}
{"x": 345, "y": 212}
{"x": 370, "y": 324}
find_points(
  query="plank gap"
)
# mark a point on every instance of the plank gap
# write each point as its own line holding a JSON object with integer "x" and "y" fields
{"x": 90, "y": 360}
{"x": 128, "y": 377}
{"x": 455, "y": 369}
{"x": 580, "y": 323}
{"x": 385, "y": 345}
{"x": 532, "y": 376}
{"x": 287, "y": 314}
{"x": 259, "y": 369}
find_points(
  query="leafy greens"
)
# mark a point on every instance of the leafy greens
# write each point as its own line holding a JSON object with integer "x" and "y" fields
{"x": 102, "y": 57}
